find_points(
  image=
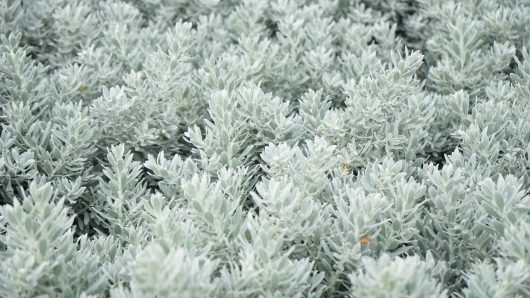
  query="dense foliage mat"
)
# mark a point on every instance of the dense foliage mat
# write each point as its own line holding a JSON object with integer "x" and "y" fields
{"x": 282, "y": 148}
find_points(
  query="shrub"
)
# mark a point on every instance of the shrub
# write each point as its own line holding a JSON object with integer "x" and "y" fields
{"x": 264, "y": 148}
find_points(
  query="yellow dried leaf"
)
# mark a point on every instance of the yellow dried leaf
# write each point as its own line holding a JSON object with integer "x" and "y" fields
{"x": 345, "y": 168}
{"x": 365, "y": 240}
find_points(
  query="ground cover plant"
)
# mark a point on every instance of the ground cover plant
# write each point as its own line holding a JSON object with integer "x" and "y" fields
{"x": 282, "y": 148}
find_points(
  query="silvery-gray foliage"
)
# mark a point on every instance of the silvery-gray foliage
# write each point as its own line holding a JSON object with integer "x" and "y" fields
{"x": 283, "y": 148}
{"x": 398, "y": 277}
